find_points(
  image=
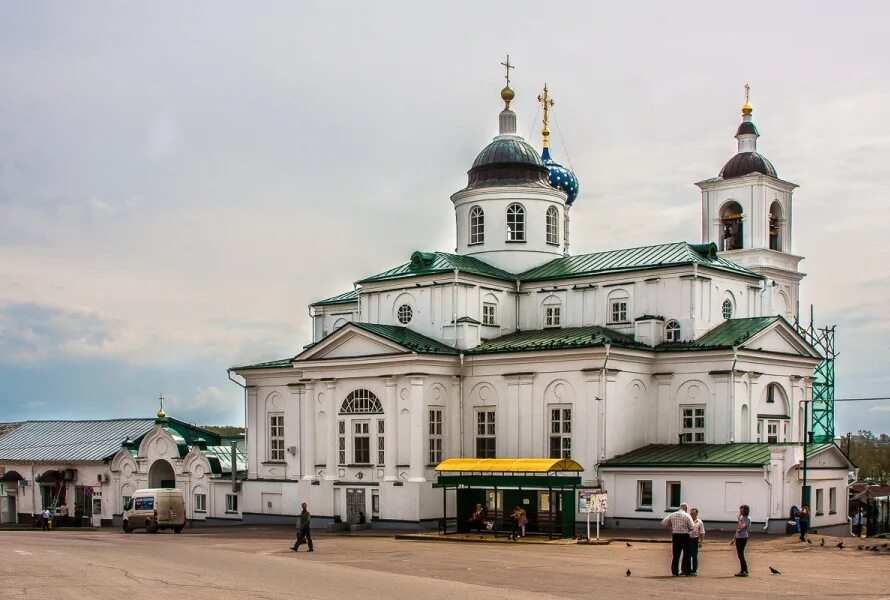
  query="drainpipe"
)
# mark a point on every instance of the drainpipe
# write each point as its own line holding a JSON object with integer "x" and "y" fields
{"x": 461, "y": 402}
{"x": 454, "y": 308}
{"x": 517, "y": 305}
{"x": 694, "y": 292}
{"x": 604, "y": 392}
{"x": 234, "y": 467}
{"x": 244, "y": 387}
{"x": 735, "y": 358}
{"x": 769, "y": 486}
{"x": 358, "y": 297}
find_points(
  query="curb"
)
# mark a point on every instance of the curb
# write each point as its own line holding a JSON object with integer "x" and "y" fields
{"x": 487, "y": 540}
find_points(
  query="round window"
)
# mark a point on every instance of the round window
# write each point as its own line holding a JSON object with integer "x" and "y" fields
{"x": 405, "y": 314}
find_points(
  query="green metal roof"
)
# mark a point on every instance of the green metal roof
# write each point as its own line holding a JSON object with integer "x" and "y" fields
{"x": 272, "y": 364}
{"x": 555, "y": 339}
{"x": 470, "y": 320}
{"x": 405, "y": 337}
{"x": 344, "y": 298}
{"x": 731, "y": 332}
{"x": 220, "y": 459}
{"x": 635, "y": 259}
{"x": 703, "y": 455}
{"x": 430, "y": 263}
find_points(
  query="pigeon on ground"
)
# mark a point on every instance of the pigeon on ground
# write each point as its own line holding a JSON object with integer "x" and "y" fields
{"x": 809, "y": 541}
{"x": 885, "y": 545}
{"x": 823, "y": 542}
{"x": 775, "y": 571}
{"x": 627, "y": 573}
{"x": 840, "y": 545}
{"x": 860, "y": 547}
{"x": 875, "y": 548}
{"x": 629, "y": 545}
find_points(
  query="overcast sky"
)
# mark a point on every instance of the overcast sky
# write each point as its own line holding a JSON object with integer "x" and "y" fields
{"x": 178, "y": 181}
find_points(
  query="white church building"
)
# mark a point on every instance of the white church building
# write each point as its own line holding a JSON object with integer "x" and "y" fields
{"x": 669, "y": 372}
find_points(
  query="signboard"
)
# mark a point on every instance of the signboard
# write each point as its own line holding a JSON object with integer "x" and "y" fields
{"x": 592, "y": 501}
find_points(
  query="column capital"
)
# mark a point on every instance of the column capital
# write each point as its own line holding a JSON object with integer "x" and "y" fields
{"x": 390, "y": 381}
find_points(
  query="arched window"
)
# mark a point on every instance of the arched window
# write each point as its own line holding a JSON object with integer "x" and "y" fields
{"x": 727, "y": 309}
{"x": 477, "y": 226}
{"x": 774, "y": 416}
{"x": 553, "y": 226}
{"x": 405, "y": 313}
{"x": 618, "y": 307}
{"x": 775, "y": 226}
{"x": 361, "y": 401}
{"x": 339, "y": 323}
{"x": 490, "y": 310}
{"x": 552, "y": 311}
{"x": 731, "y": 226}
{"x": 672, "y": 331}
{"x": 515, "y": 223}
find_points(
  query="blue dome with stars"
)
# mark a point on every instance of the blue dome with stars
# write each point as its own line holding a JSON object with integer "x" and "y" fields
{"x": 561, "y": 178}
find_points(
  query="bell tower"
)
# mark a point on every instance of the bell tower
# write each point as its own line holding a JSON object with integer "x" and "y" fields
{"x": 747, "y": 213}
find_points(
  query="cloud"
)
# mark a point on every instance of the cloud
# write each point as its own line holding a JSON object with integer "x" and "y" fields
{"x": 882, "y": 408}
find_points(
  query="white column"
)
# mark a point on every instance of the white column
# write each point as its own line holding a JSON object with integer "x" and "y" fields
{"x": 333, "y": 436}
{"x": 307, "y": 444}
{"x": 391, "y": 435}
{"x": 591, "y": 426}
{"x": 256, "y": 432}
{"x": 418, "y": 439}
{"x": 453, "y": 422}
{"x": 529, "y": 428}
{"x": 507, "y": 425}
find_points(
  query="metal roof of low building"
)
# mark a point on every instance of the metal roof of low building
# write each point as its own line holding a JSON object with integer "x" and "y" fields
{"x": 556, "y": 339}
{"x": 61, "y": 441}
{"x": 509, "y": 465}
{"x": 220, "y": 459}
{"x": 407, "y": 338}
{"x": 344, "y": 298}
{"x": 731, "y": 332}
{"x": 7, "y": 427}
{"x": 281, "y": 363}
{"x": 431, "y": 263}
{"x": 635, "y": 259}
{"x": 702, "y": 455}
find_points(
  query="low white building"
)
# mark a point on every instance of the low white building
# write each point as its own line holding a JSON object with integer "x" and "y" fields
{"x": 511, "y": 348}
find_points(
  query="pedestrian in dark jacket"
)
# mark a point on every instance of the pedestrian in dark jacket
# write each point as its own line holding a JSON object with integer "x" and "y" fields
{"x": 304, "y": 533}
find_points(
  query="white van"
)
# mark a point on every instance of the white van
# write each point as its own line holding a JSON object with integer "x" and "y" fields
{"x": 155, "y": 509}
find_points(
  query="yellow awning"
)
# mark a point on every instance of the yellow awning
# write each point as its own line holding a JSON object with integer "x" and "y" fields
{"x": 508, "y": 465}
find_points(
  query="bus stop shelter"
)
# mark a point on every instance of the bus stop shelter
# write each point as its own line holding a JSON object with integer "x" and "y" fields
{"x": 543, "y": 487}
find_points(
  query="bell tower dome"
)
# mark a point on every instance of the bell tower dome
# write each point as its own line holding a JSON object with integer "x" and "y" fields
{"x": 747, "y": 213}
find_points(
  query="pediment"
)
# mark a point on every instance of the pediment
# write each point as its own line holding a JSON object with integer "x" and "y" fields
{"x": 351, "y": 342}
{"x": 830, "y": 458}
{"x": 782, "y": 339}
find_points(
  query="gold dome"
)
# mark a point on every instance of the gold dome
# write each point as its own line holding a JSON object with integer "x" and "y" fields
{"x": 162, "y": 414}
{"x": 507, "y": 96}
{"x": 747, "y": 109}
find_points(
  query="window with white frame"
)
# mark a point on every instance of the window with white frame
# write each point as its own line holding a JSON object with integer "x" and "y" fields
{"x": 200, "y": 502}
{"x": 435, "y": 435}
{"x": 515, "y": 223}
{"x": 673, "y": 494}
{"x": 644, "y": 494}
{"x": 231, "y": 503}
{"x": 553, "y": 226}
{"x": 404, "y": 314}
{"x": 772, "y": 431}
{"x": 552, "y": 312}
{"x": 672, "y": 331}
{"x": 477, "y": 226}
{"x": 361, "y": 442}
{"x": 820, "y": 502}
{"x": 727, "y": 309}
{"x": 341, "y": 442}
{"x": 489, "y": 313}
{"x": 832, "y": 501}
{"x": 381, "y": 441}
{"x": 485, "y": 433}
{"x": 771, "y": 393}
{"x": 618, "y": 310}
{"x": 692, "y": 424}
{"x": 276, "y": 438}
{"x": 560, "y": 432}
{"x": 361, "y": 401}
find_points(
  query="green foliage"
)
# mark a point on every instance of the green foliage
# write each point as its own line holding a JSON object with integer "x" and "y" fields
{"x": 871, "y": 453}
{"x": 224, "y": 429}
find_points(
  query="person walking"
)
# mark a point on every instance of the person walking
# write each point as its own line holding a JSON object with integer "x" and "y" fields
{"x": 804, "y": 518}
{"x": 858, "y": 522}
{"x": 304, "y": 532}
{"x": 741, "y": 538}
{"x": 46, "y": 519}
{"x": 696, "y": 539}
{"x": 516, "y": 517}
{"x": 680, "y": 524}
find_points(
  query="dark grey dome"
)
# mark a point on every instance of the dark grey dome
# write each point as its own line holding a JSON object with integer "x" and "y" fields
{"x": 745, "y": 163}
{"x": 747, "y": 127}
{"x": 507, "y": 162}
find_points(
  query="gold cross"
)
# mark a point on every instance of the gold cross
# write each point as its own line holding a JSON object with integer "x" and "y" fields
{"x": 507, "y": 66}
{"x": 161, "y": 398}
{"x": 747, "y": 93}
{"x": 547, "y": 101}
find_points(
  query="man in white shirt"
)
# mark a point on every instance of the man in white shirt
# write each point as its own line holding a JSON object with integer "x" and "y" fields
{"x": 696, "y": 539}
{"x": 680, "y": 524}
{"x": 46, "y": 517}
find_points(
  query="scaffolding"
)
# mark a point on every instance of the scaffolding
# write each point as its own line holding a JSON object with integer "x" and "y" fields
{"x": 823, "y": 340}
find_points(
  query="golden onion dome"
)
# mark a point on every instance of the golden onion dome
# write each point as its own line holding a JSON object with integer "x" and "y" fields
{"x": 507, "y": 96}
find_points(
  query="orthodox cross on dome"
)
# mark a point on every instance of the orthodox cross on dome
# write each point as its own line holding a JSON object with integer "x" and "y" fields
{"x": 161, "y": 413}
{"x": 507, "y": 94}
{"x": 507, "y": 66}
{"x": 747, "y": 109}
{"x": 548, "y": 102}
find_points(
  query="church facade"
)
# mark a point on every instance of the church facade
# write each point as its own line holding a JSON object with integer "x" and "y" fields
{"x": 668, "y": 372}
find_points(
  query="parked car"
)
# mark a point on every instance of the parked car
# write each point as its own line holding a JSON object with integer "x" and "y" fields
{"x": 155, "y": 509}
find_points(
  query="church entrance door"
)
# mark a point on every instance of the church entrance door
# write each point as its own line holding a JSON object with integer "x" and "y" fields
{"x": 355, "y": 503}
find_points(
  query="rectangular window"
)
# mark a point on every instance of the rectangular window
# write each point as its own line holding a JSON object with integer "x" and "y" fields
{"x": 489, "y": 314}
{"x": 832, "y": 501}
{"x": 772, "y": 432}
{"x": 144, "y": 504}
{"x": 276, "y": 438}
{"x": 673, "y": 495}
{"x": 435, "y": 436}
{"x": 619, "y": 311}
{"x": 485, "y": 434}
{"x": 551, "y": 316}
{"x": 759, "y": 431}
{"x": 341, "y": 443}
{"x": 381, "y": 441}
{"x": 692, "y": 424}
{"x": 560, "y": 432}
{"x": 820, "y": 506}
{"x": 231, "y": 503}
{"x": 644, "y": 495}
{"x": 126, "y": 500}
{"x": 361, "y": 443}
{"x": 200, "y": 502}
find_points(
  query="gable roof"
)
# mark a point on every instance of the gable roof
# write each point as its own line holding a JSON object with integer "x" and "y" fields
{"x": 555, "y": 339}
{"x": 735, "y": 332}
{"x": 281, "y": 363}
{"x": 413, "y": 341}
{"x": 344, "y": 298}
{"x": 635, "y": 259}
{"x": 704, "y": 455}
{"x": 431, "y": 263}
{"x": 70, "y": 440}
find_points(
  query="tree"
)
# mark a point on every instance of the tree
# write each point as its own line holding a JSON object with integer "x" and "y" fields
{"x": 871, "y": 454}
